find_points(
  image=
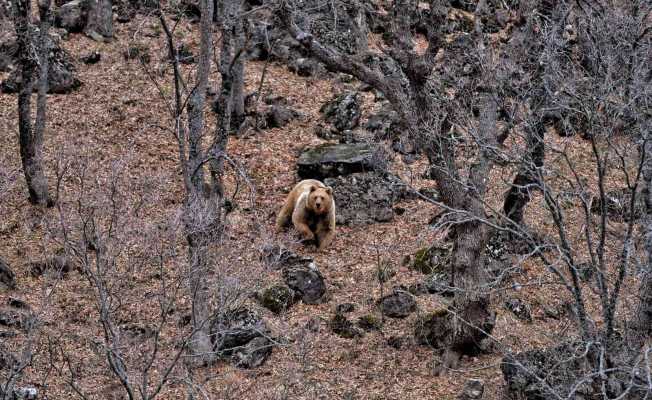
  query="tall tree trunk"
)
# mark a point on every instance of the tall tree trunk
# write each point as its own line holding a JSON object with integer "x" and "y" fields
{"x": 100, "y": 20}
{"x": 643, "y": 317}
{"x": 203, "y": 222}
{"x": 526, "y": 179}
{"x": 31, "y": 139}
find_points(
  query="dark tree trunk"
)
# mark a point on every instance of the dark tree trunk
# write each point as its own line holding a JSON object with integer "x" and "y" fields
{"x": 526, "y": 179}
{"x": 31, "y": 138}
{"x": 100, "y": 20}
{"x": 643, "y": 317}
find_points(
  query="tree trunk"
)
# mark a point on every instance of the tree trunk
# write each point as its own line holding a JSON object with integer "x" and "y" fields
{"x": 31, "y": 140}
{"x": 526, "y": 179}
{"x": 202, "y": 210}
{"x": 643, "y": 317}
{"x": 100, "y": 20}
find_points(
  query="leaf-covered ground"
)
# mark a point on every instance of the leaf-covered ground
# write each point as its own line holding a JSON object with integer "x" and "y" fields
{"x": 119, "y": 115}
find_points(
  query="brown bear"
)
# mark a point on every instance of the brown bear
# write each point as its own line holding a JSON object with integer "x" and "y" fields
{"x": 311, "y": 208}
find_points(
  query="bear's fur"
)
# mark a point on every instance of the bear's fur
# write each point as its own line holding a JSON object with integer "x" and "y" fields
{"x": 311, "y": 208}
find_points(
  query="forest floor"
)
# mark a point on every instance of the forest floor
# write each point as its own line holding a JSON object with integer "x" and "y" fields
{"x": 118, "y": 114}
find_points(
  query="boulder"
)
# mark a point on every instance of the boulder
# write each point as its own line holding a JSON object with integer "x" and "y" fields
{"x": 306, "y": 280}
{"x": 399, "y": 304}
{"x": 277, "y": 298}
{"x": 72, "y": 16}
{"x": 432, "y": 259}
{"x": 383, "y": 124}
{"x": 7, "y": 276}
{"x": 343, "y": 111}
{"x": 341, "y": 326}
{"x": 242, "y": 336}
{"x": 331, "y": 160}
{"x": 91, "y": 58}
{"x": 473, "y": 390}
{"x": 367, "y": 198}
{"x": 61, "y": 72}
{"x": 277, "y": 257}
{"x": 370, "y": 322}
{"x": 344, "y": 308}
{"x": 277, "y": 116}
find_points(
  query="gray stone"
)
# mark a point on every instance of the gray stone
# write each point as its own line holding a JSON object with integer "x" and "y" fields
{"x": 331, "y": 160}
{"x": 473, "y": 390}
{"x": 72, "y": 16}
{"x": 306, "y": 280}
{"x": 367, "y": 198}
{"x": 343, "y": 111}
{"x": 7, "y": 276}
{"x": 399, "y": 304}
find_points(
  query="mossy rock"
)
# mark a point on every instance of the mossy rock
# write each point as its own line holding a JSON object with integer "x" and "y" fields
{"x": 370, "y": 322}
{"x": 433, "y": 327}
{"x": 341, "y": 326}
{"x": 277, "y": 298}
{"x": 432, "y": 259}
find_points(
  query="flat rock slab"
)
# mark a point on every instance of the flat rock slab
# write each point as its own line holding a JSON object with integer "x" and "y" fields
{"x": 331, "y": 160}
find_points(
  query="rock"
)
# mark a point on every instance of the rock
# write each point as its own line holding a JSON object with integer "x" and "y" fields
{"x": 520, "y": 309}
{"x": 370, "y": 322}
{"x": 277, "y": 298}
{"x": 7, "y": 358}
{"x": 61, "y": 72}
{"x": 306, "y": 280}
{"x": 13, "y": 318}
{"x": 473, "y": 390}
{"x": 545, "y": 373}
{"x": 277, "y": 116}
{"x": 396, "y": 342}
{"x": 344, "y": 328}
{"x": 234, "y": 331}
{"x": 7, "y": 276}
{"x": 618, "y": 205}
{"x": 276, "y": 257}
{"x": 25, "y": 393}
{"x": 331, "y": 160}
{"x": 72, "y": 16}
{"x": 367, "y": 198}
{"x": 383, "y": 124}
{"x": 137, "y": 52}
{"x": 336, "y": 24}
{"x": 399, "y": 304}
{"x": 138, "y": 330}
{"x": 59, "y": 265}
{"x": 433, "y": 328}
{"x": 343, "y": 111}
{"x": 91, "y": 58}
{"x": 304, "y": 66}
{"x": 432, "y": 259}
{"x": 344, "y": 308}
{"x": 253, "y": 354}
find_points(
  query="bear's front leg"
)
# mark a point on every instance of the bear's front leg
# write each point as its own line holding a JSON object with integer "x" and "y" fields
{"x": 325, "y": 237}
{"x": 299, "y": 222}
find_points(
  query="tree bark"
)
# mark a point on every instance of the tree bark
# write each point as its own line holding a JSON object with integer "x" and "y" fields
{"x": 526, "y": 179}
{"x": 643, "y": 316}
{"x": 202, "y": 210}
{"x": 31, "y": 138}
{"x": 100, "y": 20}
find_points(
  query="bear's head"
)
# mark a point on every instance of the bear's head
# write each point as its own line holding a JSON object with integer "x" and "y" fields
{"x": 320, "y": 199}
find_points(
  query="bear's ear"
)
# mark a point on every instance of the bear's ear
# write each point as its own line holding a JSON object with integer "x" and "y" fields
{"x": 313, "y": 188}
{"x": 329, "y": 190}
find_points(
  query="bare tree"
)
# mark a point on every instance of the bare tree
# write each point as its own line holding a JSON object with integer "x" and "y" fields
{"x": 32, "y": 56}
{"x": 204, "y": 198}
